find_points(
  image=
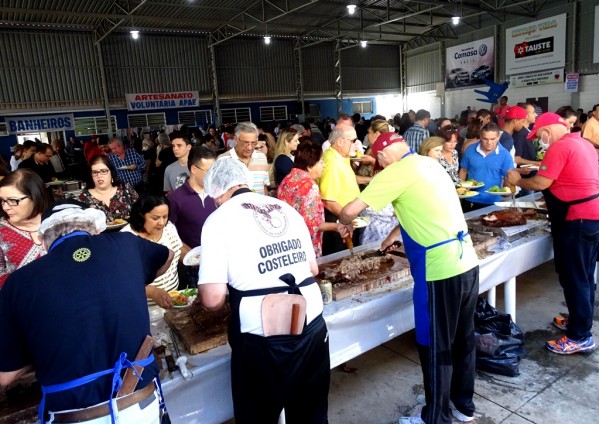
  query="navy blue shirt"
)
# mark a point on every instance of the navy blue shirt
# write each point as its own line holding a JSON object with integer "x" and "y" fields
{"x": 73, "y": 311}
{"x": 506, "y": 140}
{"x": 524, "y": 148}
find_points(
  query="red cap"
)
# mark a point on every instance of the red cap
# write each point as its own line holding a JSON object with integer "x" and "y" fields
{"x": 547, "y": 118}
{"x": 383, "y": 141}
{"x": 515, "y": 112}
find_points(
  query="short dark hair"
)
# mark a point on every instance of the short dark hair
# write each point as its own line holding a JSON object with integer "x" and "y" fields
{"x": 307, "y": 155}
{"x": 29, "y": 143}
{"x": 490, "y": 127}
{"x": 595, "y": 107}
{"x": 42, "y": 147}
{"x": 104, "y": 159}
{"x": 483, "y": 113}
{"x": 142, "y": 206}
{"x": 446, "y": 132}
{"x": 422, "y": 114}
{"x": 198, "y": 153}
{"x": 31, "y": 185}
{"x": 180, "y": 134}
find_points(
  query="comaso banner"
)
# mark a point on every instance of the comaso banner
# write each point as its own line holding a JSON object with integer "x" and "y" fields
{"x": 468, "y": 64}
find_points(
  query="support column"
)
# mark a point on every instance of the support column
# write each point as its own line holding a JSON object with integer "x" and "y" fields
{"x": 402, "y": 78}
{"x": 214, "y": 83}
{"x": 104, "y": 89}
{"x": 299, "y": 77}
{"x": 338, "y": 85}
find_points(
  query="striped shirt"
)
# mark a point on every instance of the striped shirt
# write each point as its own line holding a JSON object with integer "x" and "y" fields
{"x": 258, "y": 167}
{"x": 415, "y": 135}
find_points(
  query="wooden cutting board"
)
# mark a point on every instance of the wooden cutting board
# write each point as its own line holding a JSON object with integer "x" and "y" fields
{"x": 198, "y": 328}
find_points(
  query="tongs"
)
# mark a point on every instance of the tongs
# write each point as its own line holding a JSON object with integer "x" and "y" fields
{"x": 513, "y": 190}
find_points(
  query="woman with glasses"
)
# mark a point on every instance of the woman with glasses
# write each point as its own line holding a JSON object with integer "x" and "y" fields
{"x": 299, "y": 189}
{"x": 149, "y": 220}
{"x": 24, "y": 198}
{"x": 105, "y": 192}
{"x": 449, "y": 155}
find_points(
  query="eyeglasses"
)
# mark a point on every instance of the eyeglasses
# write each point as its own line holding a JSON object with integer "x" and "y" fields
{"x": 248, "y": 143}
{"x": 12, "y": 201}
{"x": 195, "y": 166}
{"x": 100, "y": 172}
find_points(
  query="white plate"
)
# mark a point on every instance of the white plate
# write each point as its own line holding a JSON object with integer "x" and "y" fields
{"x": 54, "y": 183}
{"x": 124, "y": 168}
{"x": 466, "y": 196}
{"x": 466, "y": 184}
{"x": 360, "y": 222}
{"x": 533, "y": 167}
{"x": 500, "y": 193}
{"x": 193, "y": 257}
{"x": 175, "y": 293}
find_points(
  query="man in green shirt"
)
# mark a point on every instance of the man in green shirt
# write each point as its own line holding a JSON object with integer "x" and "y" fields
{"x": 444, "y": 267}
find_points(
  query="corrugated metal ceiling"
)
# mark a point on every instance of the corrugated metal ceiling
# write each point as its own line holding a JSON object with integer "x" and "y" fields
{"x": 378, "y": 21}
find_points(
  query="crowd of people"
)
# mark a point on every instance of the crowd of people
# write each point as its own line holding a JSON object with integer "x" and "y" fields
{"x": 263, "y": 203}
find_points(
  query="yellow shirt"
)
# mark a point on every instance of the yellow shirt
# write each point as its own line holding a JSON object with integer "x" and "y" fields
{"x": 338, "y": 181}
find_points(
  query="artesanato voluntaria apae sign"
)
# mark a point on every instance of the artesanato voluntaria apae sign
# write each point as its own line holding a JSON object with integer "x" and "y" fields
{"x": 42, "y": 123}
{"x": 170, "y": 100}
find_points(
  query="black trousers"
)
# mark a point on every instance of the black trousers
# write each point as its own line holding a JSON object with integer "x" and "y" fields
{"x": 448, "y": 364}
{"x": 276, "y": 372}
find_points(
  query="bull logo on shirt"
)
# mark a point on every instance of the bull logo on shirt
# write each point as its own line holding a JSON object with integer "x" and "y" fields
{"x": 270, "y": 218}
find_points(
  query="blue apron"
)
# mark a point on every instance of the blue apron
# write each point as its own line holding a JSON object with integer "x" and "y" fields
{"x": 416, "y": 255}
{"x": 120, "y": 364}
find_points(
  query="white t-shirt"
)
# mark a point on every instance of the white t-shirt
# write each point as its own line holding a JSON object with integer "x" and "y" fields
{"x": 249, "y": 242}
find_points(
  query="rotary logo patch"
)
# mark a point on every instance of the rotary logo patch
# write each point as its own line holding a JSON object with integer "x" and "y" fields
{"x": 82, "y": 255}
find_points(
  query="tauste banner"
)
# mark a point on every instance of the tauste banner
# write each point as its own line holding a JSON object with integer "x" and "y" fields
{"x": 467, "y": 64}
{"x": 46, "y": 123}
{"x": 146, "y": 101}
{"x": 536, "y": 46}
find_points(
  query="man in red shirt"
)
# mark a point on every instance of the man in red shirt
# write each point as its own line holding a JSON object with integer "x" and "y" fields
{"x": 500, "y": 110}
{"x": 569, "y": 178}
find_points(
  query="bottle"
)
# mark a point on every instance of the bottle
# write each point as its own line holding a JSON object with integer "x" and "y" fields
{"x": 326, "y": 289}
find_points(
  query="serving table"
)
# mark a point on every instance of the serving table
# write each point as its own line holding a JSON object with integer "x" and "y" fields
{"x": 356, "y": 324}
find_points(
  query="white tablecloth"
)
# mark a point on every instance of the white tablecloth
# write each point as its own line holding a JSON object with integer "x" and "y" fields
{"x": 356, "y": 325}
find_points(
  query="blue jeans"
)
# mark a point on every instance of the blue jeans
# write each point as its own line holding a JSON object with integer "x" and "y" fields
{"x": 575, "y": 246}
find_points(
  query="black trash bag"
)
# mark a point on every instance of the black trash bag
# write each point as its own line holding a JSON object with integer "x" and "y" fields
{"x": 491, "y": 345}
{"x": 505, "y": 364}
{"x": 487, "y": 319}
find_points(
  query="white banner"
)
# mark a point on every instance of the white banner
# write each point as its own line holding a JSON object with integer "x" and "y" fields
{"x": 572, "y": 83}
{"x": 25, "y": 124}
{"x": 537, "y": 78}
{"x": 596, "y": 43}
{"x": 467, "y": 64}
{"x": 536, "y": 46}
{"x": 171, "y": 100}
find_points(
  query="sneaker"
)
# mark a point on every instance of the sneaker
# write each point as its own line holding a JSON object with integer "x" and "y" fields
{"x": 458, "y": 415}
{"x": 567, "y": 346}
{"x": 411, "y": 420}
{"x": 560, "y": 322}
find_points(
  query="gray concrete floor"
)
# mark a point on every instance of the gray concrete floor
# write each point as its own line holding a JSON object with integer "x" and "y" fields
{"x": 550, "y": 388}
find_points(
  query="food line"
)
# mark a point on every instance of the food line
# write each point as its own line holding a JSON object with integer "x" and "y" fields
{"x": 356, "y": 324}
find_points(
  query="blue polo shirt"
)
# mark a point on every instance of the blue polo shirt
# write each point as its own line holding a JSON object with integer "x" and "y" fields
{"x": 490, "y": 169}
{"x": 188, "y": 212}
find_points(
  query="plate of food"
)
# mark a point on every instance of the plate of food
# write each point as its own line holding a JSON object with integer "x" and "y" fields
{"x": 55, "y": 183}
{"x": 464, "y": 193}
{"x": 124, "y": 168}
{"x": 117, "y": 224}
{"x": 531, "y": 167}
{"x": 360, "y": 222}
{"x": 192, "y": 258}
{"x": 183, "y": 298}
{"x": 498, "y": 191}
{"x": 472, "y": 184}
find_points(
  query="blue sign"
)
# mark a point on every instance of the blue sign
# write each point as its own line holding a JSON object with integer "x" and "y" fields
{"x": 25, "y": 124}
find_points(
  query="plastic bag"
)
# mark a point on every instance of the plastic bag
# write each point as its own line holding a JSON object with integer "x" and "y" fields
{"x": 506, "y": 364}
{"x": 499, "y": 341}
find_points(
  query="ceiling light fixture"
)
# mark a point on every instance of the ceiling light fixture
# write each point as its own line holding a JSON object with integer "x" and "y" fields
{"x": 363, "y": 43}
{"x": 455, "y": 20}
{"x": 266, "y": 39}
{"x": 351, "y": 8}
{"x": 134, "y": 34}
